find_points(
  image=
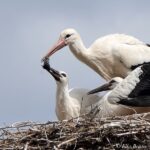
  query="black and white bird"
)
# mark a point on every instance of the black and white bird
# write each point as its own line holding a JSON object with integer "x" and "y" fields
{"x": 124, "y": 94}
{"x": 114, "y": 55}
{"x": 70, "y": 103}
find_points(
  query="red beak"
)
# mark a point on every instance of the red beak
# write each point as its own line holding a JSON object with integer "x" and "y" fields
{"x": 60, "y": 44}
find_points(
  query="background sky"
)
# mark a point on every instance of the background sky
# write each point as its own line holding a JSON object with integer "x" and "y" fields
{"x": 28, "y": 28}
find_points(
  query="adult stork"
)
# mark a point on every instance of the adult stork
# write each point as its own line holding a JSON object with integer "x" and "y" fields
{"x": 110, "y": 56}
{"x": 131, "y": 92}
{"x": 70, "y": 103}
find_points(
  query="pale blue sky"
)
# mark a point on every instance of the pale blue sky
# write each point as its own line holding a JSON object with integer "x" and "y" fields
{"x": 28, "y": 28}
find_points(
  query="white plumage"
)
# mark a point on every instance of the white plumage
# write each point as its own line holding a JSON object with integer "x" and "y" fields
{"x": 126, "y": 96}
{"x": 70, "y": 103}
{"x": 110, "y": 56}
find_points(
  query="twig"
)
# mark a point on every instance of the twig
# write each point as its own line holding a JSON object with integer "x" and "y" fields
{"x": 65, "y": 142}
{"x": 26, "y": 146}
{"x": 78, "y": 133}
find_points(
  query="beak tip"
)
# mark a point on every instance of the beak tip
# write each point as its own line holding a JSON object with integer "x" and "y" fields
{"x": 88, "y": 93}
{"x": 45, "y": 64}
{"x": 44, "y": 59}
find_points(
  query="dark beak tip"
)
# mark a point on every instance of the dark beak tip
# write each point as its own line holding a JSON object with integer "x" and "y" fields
{"x": 44, "y": 59}
{"x": 89, "y": 93}
{"x": 46, "y": 65}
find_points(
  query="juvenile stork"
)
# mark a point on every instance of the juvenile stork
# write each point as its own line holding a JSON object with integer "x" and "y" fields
{"x": 110, "y": 56}
{"x": 70, "y": 103}
{"x": 126, "y": 95}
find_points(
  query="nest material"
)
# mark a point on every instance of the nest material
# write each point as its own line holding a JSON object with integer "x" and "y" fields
{"x": 130, "y": 132}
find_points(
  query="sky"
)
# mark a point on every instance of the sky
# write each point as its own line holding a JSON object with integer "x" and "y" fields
{"x": 28, "y": 28}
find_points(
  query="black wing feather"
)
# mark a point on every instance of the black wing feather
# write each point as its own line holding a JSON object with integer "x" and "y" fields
{"x": 143, "y": 101}
{"x": 148, "y": 45}
{"x": 140, "y": 95}
{"x": 138, "y": 65}
{"x": 143, "y": 87}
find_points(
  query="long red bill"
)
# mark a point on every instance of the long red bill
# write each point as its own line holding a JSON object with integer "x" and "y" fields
{"x": 60, "y": 44}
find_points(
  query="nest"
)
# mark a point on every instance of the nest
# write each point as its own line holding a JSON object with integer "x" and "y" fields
{"x": 130, "y": 132}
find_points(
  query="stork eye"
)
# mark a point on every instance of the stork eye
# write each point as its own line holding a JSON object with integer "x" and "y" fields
{"x": 67, "y": 36}
{"x": 63, "y": 74}
{"x": 112, "y": 81}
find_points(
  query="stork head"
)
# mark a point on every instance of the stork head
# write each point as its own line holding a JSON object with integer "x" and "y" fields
{"x": 107, "y": 86}
{"x": 63, "y": 77}
{"x": 59, "y": 76}
{"x": 67, "y": 37}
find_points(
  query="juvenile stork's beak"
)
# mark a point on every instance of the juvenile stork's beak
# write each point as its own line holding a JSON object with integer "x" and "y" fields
{"x": 52, "y": 71}
{"x": 59, "y": 45}
{"x": 55, "y": 74}
{"x": 104, "y": 87}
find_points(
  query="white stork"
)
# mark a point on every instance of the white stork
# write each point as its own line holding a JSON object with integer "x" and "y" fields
{"x": 70, "y": 103}
{"x": 126, "y": 95}
{"x": 110, "y": 56}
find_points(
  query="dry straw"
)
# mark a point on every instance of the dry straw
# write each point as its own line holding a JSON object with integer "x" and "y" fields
{"x": 130, "y": 132}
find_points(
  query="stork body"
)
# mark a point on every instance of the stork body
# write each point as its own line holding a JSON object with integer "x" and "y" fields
{"x": 128, "y": 95}
{"x": 70, "y": 103}
{"x": 110, "y": 56}
{"x": 106, "y": 109}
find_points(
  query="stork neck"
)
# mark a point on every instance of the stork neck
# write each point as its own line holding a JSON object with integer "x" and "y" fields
{"x": 83, "y": 54}
{"x": 62, "y": 93}
{"x": 107, "y": 109}
{"x": 78, "y": 48}
{"x": 105, "y": 103}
